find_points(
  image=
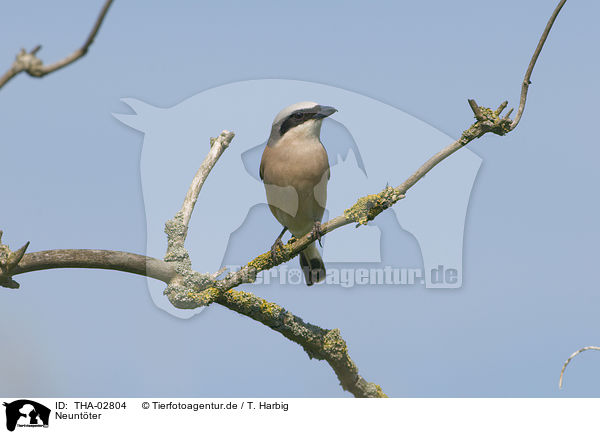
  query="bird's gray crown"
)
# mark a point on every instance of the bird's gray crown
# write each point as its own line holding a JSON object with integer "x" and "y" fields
{"x": 286, "y": 112}
{"x": 297, "y": 114}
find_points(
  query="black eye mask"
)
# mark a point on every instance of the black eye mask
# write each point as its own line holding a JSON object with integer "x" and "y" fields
{"x": 294, "y": 119}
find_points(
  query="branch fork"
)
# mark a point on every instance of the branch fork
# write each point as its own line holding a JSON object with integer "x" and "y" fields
{"x": 190, "y": 289}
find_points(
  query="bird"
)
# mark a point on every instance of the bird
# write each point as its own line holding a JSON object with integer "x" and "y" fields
{"x": 295, "y": 169}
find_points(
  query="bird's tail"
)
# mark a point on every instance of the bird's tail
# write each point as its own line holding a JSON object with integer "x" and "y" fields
{"x": 312, "y": 265}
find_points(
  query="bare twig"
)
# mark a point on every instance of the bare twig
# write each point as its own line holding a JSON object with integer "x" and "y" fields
{"x": 217, "y": 148}
{"x": 562, "y": 371}
{"x": 536, "y": 53}
{"x": 476, "y": 109}
{"x": 501, "y": 107}
{"x": 28, "y": 61}
{"x": 177, "y": 228}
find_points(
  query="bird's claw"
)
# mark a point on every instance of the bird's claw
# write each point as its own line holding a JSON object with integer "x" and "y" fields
{"x": 316, "y": 232}
{"x": 276, "y": 245}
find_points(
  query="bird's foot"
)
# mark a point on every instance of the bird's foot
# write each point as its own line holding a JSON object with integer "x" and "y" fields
{"x": 277, "y": 245}
{"x": 316, "y": 232}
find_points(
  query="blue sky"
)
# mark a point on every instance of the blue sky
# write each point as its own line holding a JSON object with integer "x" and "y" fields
{"x": 71, "y": 177}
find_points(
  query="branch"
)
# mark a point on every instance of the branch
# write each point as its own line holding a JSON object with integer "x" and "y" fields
{"x": 536, "y": 53}
{"x": 319, "y": 343}
{"x": 103, "y": 259}
{"x": 187, "y": 289}
{"x": 562, "y": 371}
{"x": 33, "y": 66}
{"x": 217, "y": 147}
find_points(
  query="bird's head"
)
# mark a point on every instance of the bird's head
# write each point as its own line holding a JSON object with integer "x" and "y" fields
{"x": 303, "y": 119}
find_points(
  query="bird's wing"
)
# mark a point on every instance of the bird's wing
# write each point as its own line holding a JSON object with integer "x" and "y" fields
{"x": 261, "y": 171}
{"x": 328, "y": 167}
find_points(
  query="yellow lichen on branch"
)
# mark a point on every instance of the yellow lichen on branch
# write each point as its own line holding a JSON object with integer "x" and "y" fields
{"x": 368, "y": 207}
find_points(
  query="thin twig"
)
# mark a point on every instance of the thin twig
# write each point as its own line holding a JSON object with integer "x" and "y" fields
{"x": 476, "y": 109}
{"x": 217, "y": 148}
{"x": 536, "y": 53}
{"x": 501, "y": 107}
{"x": 30, "y": 63}
{"x": 562, "y": 371}
{"x": 97, "y": 24}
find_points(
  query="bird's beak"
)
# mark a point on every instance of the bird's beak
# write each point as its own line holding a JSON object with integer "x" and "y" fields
{"x": 324, "y": 111}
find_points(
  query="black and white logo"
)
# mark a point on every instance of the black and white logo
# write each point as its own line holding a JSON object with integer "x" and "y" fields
{"x": 26, "y": 413}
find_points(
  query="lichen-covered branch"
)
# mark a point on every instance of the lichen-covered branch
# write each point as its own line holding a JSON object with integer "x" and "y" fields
{"x": 562, "y": 371}
{"x": 319, "y": 343}
{"x": 189, "y": 288}
{"x": 29, "y": 62}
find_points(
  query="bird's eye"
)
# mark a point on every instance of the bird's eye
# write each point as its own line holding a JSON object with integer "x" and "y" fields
{"x": 298, "y": 115}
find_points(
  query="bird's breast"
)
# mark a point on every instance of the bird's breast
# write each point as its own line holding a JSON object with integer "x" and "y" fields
{"x": 295, "y": 180}
{"x": 291, "y": 164}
